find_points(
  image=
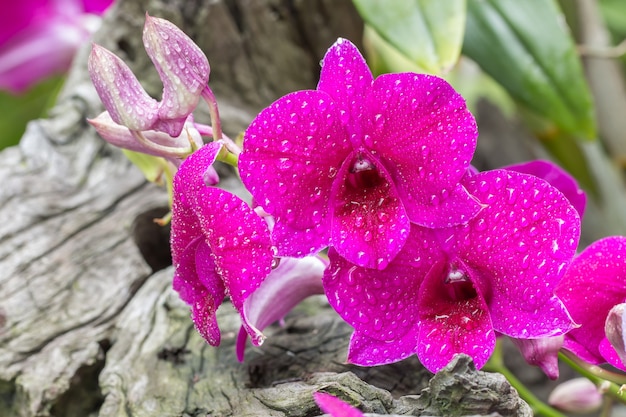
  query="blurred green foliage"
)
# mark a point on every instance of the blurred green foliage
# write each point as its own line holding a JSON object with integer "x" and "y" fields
{"x": 527, "y": 58}
{"x": 16, "y": 110}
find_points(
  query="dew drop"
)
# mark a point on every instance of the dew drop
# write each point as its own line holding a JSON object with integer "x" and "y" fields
{"x": 285, "y": 146}
{"x": 379, "y": 121}
{"x": 381, "y": 263}
{"x": 275, "y": 262}
{"x": 363, "y": 258}
{"x": 285, "y": 164}
{"x": 367, "y": 236}
{"x": 512, "y": 195}
{"x": 359, "y": 221}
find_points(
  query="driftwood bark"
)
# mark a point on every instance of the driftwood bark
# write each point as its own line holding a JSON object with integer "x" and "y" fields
{"x": 89, "y": 325}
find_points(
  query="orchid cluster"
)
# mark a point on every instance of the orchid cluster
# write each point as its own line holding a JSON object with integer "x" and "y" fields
{"x": 362, "y": 190}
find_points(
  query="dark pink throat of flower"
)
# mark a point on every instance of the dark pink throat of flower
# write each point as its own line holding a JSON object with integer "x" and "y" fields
{"x": 458, "y": 286}
{"x": 363, "y": 173}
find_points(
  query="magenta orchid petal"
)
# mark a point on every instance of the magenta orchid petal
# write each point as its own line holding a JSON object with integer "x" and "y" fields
{"x": 610, "y": 355}
{"x": 96, "y": 6}
{"x": 369, "y": 225}
{"x": 199, "y": 286}
{"x": 426, "y": 136}
{"x": 121, "y": 93}
{"x": 380, "y": 135}
{"x": 289, "y": 163}
{"x": 346, "y": 77}
{"x": 18, "y": 15}
{"x": 557, "y": 177}
{"x": 187, "y": 182}
{"x": 522, "y": 240}
{"x": 380, "y": 304}
{"x": 38, "y": 39}
{"x": 334, "y": 406}
{"x": 284, "y": 288}
{"x": 593, "y": 284}
{"x": 366, "y": 351}
{"x": 240, "y": 243}
{"x": 235, "y": 246}
{"x": 182, "y": 67}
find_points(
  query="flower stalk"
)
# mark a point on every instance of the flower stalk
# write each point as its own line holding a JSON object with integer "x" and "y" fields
{"x": 496, "y": 364}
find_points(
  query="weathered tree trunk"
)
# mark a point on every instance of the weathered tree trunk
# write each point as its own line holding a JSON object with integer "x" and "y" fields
{"x": 89, "y": 324}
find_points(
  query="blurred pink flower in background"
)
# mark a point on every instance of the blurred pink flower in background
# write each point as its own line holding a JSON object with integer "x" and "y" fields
{"x": 38, "y": 38}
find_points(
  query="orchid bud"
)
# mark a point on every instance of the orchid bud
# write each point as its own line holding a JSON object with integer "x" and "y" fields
{"x": 542, "y": 352}
{"x": 614, "y": 329}
{"x": 183, "y": 68}
{"x": 121, "y": 93}
{"x": 578, "y": 395}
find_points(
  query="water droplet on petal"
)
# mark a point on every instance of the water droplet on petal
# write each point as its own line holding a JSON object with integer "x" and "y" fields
{"x": 379, "y": 121}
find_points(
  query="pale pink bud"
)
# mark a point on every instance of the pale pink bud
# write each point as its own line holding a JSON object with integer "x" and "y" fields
{"x": 542, "y": 352}
{"x": 121, "y": 93}
{"x": 157, "y": 143}
{"x": 614, "y": 329}
{"x": 578, "y": 395}
{"x": 183, "y": 68}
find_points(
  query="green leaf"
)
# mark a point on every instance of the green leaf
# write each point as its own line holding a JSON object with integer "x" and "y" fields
{"x": 152, "y": 167}
{"x": 526, "y": 47}
{"x": 429, "y": 33}
{"x": 17, "y": 110}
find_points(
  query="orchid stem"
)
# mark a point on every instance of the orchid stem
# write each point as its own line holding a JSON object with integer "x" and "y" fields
{"x": 609, "y": 383}
{"x": 228, "y": 157}
{"x": 164, "y": 151}
{"x": 216, "y": 124}
{"x": 496, "y": 364}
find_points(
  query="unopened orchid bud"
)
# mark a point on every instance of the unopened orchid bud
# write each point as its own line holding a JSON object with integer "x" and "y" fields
{"x": 614, "y": 329}
{"x": 578, "y": 396}
{"x": 542, "y": 352}
{"x": 121, "y": 93}
{"x": 183, "y": 68}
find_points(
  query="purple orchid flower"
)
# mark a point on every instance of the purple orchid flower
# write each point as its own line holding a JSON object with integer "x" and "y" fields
{"x": 449, "y": 290}
{"x": 594, "y": 283}
{"x": 287, "y": 285}
{"x": 38, "y": 38}
{"x": 334, "y": 406}
{"x": 220, "y": 246}
{"x": 353, "y": 162}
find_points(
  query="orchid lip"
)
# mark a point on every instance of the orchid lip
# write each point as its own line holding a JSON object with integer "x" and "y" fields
{"x": 363, "y": 173}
